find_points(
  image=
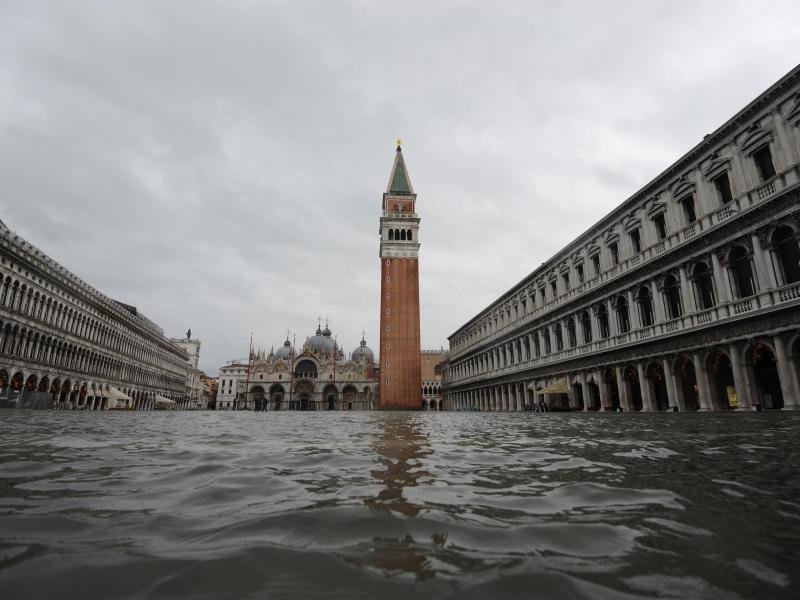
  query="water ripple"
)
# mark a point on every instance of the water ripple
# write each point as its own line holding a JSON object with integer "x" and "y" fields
{"x": 360, "y": 505}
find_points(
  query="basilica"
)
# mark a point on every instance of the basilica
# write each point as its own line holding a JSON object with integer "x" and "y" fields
{"x": 318, "y": 376}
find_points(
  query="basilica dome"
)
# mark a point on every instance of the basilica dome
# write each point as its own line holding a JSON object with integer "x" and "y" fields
{"x": 321, "y": 342}
{"x": 363, "y": 353}
{"x": 285, "y": 351}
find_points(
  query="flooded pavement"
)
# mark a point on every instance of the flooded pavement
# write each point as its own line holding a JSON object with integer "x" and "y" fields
{"x": 399, "y": 505}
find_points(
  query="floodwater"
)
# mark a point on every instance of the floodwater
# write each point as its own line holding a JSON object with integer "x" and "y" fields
{"x": 405, "y": 505}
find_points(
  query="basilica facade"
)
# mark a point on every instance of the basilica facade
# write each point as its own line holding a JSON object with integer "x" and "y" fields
{"x": 317, "y": 376}
{"x": 684, "y": 297}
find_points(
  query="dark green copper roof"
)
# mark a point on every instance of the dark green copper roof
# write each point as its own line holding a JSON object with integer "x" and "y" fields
{"x": 399, "y": 183}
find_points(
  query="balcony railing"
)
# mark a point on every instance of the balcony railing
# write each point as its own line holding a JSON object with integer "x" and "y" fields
{"x": 743, "y": 306}
{"x": 674, "y": 240}
{"x": 766, "y": 190}
{"x": 696, "y": 320}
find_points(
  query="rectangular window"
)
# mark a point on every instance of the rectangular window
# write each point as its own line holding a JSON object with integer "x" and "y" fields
{"x": 579, "y": 269}
{"x": 763, "y": 160}
{"x": 687, "y": 202}
{"x": 596, "y": 264}
{"x": 636, "y": 241}
{"x": 553, "y": 289}
{"x": 723, "y": 186}
{"x": 565, "y": 278}
{"x": 614, "y": 251}
{"x": 542, "y": 294}
{"x": 661, "y": 226}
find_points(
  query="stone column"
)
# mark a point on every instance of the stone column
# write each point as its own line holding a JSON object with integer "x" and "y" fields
{"x": 605, "y": 401}
{"x": 613, "y": 326}
{"x": 658, "y": 303}
{"x": 739, "y": 377}
{"x": 690, "y": 305}
{"x": 646, "y": 388}
{"x": 789, "y": 383}
{"x": 722, "y": 284}
{"x": 672, "y": 387}
{"x": 623, "y": 387}
{"x": 585, "y": 389}
{"x": 594, "y": 323}
{"x": 764, "y": 274}
{"x": 703, "y": 389}
{"x": 633, "y": 312}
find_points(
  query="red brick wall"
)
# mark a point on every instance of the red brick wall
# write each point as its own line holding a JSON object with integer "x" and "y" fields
{"x": 400, "y": 346}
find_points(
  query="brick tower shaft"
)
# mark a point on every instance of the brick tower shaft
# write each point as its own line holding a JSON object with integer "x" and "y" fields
{"x": 400, "y": 366}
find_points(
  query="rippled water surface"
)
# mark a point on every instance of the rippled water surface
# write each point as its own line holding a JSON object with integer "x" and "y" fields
{"x": 368, "y": 505}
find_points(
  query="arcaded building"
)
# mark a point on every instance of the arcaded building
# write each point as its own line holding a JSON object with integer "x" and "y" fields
{"x": 64, "y": 344}
{"x": 684, "y": 297}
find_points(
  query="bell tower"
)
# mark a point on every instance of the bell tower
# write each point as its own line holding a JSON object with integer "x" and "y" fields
{"x": 400, "y": 363}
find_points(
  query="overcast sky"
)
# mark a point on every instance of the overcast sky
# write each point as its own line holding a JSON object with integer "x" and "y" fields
{"x": 220, "y": 165}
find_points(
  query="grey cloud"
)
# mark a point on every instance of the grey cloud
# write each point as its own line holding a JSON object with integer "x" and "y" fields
{"x": 220, "y": 164}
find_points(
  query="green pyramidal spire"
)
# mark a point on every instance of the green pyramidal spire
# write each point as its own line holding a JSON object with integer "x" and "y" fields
{"x": 399, "y": 183}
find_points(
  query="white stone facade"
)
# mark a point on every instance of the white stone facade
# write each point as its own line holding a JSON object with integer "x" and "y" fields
{"x": 63, "y": 344}
{"x": 195, "y": 388}
{"x": 684, "y": 297}
{"x": 232, "y": 378}
{"x": 318, "y": 376}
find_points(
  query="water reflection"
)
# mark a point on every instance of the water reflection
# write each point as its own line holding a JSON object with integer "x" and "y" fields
{"x": 401, "y": 444}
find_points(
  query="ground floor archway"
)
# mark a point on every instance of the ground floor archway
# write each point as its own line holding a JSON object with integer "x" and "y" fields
{"x": 767, "y": 392}
{"x": 686, "y": 383}
{"x": 722, "y": 387}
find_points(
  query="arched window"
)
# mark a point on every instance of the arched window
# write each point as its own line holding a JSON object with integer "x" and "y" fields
{"x": 546, "y": 336}
{"x": 586, "y": 326}
{"x": 645, "y": 301}
{"x": 703, "y": 285}
{"x": 391, "y": 234}
{"x": 403, "y": 234}
{"x": 742, "y": 270}
{"x": 787, "y": 252}
{"x": 559, "y": 338}
{"x": 571, "y": 337}
{"x": 672, "y": 297}
{"x": 408, "y": 235}
{"x": 602, "y": 319}
{"x": 623, "y": 319}
{"x": 306, "y": 369}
